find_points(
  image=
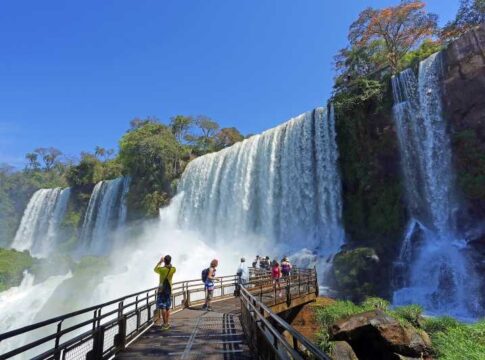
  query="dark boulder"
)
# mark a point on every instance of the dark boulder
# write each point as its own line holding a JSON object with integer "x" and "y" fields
{"x": 342, "y": 351}
{"x": 376, "y": 335}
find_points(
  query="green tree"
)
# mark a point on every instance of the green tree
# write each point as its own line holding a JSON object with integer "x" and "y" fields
{"x": 83, "y": 173}
{"x": 227, "y": 137}
{"x": 33, "y": 161}
{"x": 137, "y": 122}
{"x": 180, "y": 126}
{"x": 50, "y": 156}
{"x": 99, "y": 152}
{"x": 151, "y": 155}
{"x": 208, "y": 129}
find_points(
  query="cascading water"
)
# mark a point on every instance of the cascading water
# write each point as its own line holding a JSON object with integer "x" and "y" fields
{"x": 279, "y": 190}
{"x": 19, "y": 307}
{"x": 439, "y": 276}
{"x": 38, "y": 230}
{"x": 106, "y": 213}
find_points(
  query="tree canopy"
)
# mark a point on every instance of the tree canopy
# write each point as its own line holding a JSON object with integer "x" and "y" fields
{"x": 470, "y": 13}
{"x": 381, "y": 38}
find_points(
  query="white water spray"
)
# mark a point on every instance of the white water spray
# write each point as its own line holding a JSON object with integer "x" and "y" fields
{"x": 19, "y": 306}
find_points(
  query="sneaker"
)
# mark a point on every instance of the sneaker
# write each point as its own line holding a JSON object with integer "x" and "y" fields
{"x": 165, "y": 327}
{"x": 209, "y": 308}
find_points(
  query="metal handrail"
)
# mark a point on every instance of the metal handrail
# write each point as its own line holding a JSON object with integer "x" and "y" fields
{"x": 260, "y": 315}
{"x": 127, "y": 308}
{"x": 139, "y": 306}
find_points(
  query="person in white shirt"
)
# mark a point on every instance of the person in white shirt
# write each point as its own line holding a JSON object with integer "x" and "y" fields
{"x": 243, "y": 272}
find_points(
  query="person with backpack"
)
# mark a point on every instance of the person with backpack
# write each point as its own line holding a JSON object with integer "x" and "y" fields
{"x": 276, "y": 275}
{"x": 286, "y": 267}
{"x": 164, "y": 294}
{"x": 208, "y": 277}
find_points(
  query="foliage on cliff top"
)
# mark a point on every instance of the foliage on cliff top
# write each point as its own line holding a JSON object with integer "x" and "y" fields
{"x": 381, "y": 38}
{"x": 12, "y": 265}
{"x": 470, "y": 13}
{"x": 151, "y": 155}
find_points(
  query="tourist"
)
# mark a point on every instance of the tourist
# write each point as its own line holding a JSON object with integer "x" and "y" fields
{"x": 285, "y": 267}
{"x": 164, "y": 294}
{"x": 276, "y": 275}
{"x": 209, "y": 284}
{"x": 256, "y": 262}
{"x": 243, "y": 272}
{"x": 264, "y": 263}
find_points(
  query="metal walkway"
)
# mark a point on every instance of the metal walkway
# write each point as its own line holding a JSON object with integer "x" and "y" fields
{"x": 243, "y": 325}
{"x": 196, "y": 334}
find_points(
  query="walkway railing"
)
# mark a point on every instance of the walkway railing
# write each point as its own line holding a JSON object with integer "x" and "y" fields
{"x": 267, "y": 332}
{"x": 100, "y": 331}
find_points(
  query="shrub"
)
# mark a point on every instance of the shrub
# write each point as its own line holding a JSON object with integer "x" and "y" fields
{"x": 375, "y": 303}
{"x": 410, "y": 313}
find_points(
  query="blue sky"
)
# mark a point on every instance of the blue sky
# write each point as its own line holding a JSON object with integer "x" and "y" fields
{"x": 74, "y": 73}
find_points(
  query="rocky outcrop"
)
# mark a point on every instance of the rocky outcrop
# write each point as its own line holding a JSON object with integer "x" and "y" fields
{"x": 356, "y": 273}
{"x": 376, "y": 335}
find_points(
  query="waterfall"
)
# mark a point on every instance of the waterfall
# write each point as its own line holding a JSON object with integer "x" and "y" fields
{"x": 38, "y": 230}
{"x": 439, "y": 275}
{"x": 280, "y": 190}
{"x": 105, "y": 214}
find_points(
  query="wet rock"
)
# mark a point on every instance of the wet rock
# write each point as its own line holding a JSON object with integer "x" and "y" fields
{"x": 343, "y": 351}
{"x": 376, "y": 335}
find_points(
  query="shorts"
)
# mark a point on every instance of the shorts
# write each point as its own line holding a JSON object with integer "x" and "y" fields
{"x": 164, "y": 302}
{"x": 209, "y": 287}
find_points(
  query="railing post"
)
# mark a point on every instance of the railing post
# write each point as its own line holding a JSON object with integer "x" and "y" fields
{"x": 184, "y": 296}
{"x": 188, "y": 294}
{"x": 57, "y": 354}
{"x": 98, "y": 343}
{"x": 317, "y": 288}
{"x": 148, "y": 308}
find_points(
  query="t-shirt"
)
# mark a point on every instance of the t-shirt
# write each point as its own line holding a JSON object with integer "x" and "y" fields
{"x": 275, "y": 272}
{"x": 164, "y": 271}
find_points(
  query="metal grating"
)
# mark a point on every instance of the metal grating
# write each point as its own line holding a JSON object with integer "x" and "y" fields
{"x": 143, "y": 317}
{"x": 131, "y": 324}
{"x": 79, "y": 351}
{"x": 109, "y": 337}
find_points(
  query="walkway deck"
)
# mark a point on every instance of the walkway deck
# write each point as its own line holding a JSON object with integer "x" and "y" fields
{"x": 195, "y": 334}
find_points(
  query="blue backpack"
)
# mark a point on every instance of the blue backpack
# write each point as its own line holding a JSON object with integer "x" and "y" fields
{"x": 205, "y": 274}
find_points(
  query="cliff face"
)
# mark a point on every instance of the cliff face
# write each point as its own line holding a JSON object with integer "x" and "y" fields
{"x": 374, "y": 210}
{"x": 464, "y": 101}
{"x": 373, "y": 193}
